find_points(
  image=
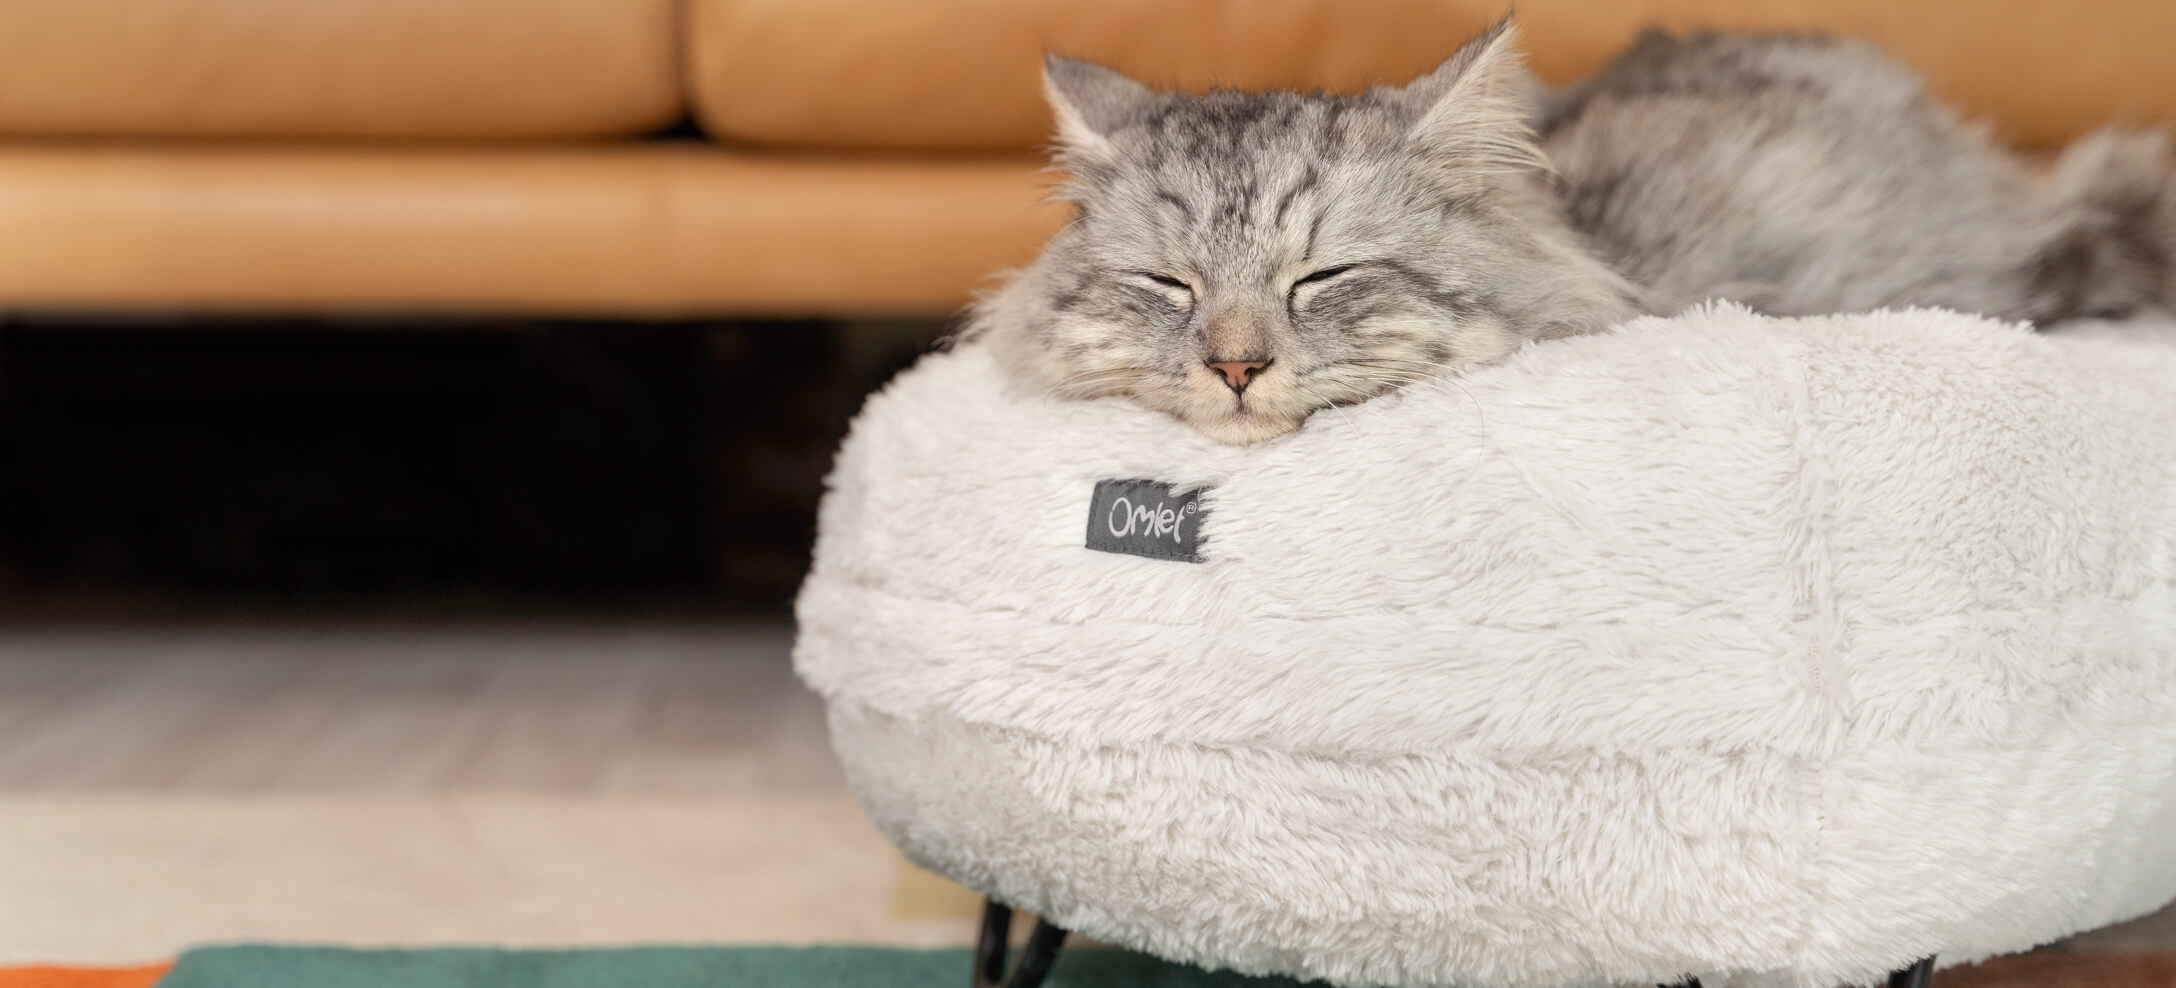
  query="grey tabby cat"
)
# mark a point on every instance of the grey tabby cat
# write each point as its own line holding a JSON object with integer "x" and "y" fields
{"x": 1242, "y": 259}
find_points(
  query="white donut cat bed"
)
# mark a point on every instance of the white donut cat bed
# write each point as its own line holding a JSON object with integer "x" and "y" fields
{"x": 1769, "y": 651}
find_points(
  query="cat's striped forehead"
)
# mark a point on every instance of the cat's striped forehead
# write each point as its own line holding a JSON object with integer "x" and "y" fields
{"x": 1223, "y": 126}
{"x": 1239, "y": 143}
{"x": 1245, "y": 177}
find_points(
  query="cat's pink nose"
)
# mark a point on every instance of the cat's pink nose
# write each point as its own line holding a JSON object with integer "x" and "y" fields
{"x": 1239, "y": 373}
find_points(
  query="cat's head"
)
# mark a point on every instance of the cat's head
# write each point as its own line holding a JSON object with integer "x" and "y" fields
{"x": 1242, "y": 259}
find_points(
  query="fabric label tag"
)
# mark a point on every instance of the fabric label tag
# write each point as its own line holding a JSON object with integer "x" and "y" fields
{"x": 1144, "y": 518}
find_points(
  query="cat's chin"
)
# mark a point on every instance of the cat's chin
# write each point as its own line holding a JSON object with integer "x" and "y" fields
{"x": 1245, "y": 428}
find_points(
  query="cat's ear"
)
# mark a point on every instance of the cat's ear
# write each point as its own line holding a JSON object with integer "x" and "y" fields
{"x": 1471, "y": 113}
{"x": 1090, "y": 101}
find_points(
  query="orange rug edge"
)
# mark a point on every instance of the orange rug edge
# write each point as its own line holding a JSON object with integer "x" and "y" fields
{"x": 144, "y": 976}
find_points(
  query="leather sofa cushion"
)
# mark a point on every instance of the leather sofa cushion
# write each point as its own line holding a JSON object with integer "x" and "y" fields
{"x": 658, "y": 229}
{"x": 338, "y": 68}
{"x": 965, "y": 73}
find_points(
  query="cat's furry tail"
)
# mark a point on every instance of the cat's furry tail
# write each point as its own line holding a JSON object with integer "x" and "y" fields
{"x": 2115, "y": 196}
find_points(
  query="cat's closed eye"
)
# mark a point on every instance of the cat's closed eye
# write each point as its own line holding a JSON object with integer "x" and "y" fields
{"x": 1304, "y": 289}
{"x": 1178, "y": 292}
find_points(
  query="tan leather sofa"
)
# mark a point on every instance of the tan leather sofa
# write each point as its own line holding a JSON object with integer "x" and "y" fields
{"x": 847, "y": 156}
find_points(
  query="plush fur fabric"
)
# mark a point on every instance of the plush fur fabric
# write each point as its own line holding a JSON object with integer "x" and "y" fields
{"x": 1779, "y": 652}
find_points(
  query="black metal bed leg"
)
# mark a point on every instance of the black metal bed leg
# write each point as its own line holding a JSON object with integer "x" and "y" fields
{"x": 990, "y": 943}
{"x": 1915, "y": 976}
{"x": 1035, "y": 959}
{"x": 1043, "y": 945}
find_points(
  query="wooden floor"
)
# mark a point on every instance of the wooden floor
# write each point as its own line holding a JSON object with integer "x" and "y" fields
{"x": 551, "y": 785}
{"x": 520, "y": 784}
{"x": 361, "y": 710}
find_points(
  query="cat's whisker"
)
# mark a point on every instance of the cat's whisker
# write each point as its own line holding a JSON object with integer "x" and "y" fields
{"x": 1099, "y": 383}
{"x": 1345, "y": 417}
{"x": 1478, "y": 412}
{"x": 1444, "y": 381}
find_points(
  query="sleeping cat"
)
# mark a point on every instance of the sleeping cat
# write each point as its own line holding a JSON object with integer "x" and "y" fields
{"x": 1242, "y": 259}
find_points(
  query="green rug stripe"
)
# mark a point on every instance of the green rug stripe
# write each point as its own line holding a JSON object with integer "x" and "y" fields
{"x": 660, "y": 967}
